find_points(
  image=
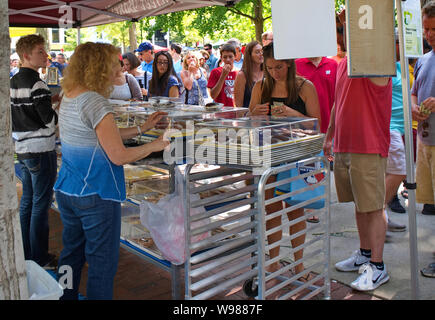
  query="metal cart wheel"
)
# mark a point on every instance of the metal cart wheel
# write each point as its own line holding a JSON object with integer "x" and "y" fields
{"x": 250, "y": 288}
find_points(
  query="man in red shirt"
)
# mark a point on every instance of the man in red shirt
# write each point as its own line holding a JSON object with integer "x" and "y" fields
{"x": 221, "y": 80}
{"x": 360, "y": 127}
{"x": 321, "y": 71}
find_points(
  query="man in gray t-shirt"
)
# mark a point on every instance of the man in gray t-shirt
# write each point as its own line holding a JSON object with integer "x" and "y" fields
{"x": 423, "y": 110}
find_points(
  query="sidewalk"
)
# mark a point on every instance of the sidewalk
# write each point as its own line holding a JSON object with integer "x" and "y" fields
{"x": 138, "y": 279}
{"x": 141, "y": 280}
{"x": 344, "y": 240}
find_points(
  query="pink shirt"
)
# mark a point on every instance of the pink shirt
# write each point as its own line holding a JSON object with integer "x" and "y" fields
{"x": 362, "y": 114}
{"x": 323, "y": 77}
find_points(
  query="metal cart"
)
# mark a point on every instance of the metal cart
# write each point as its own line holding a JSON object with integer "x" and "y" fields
{"x": 241, "y": 254}
{"x": 238, "y": 253}
{"x": 133, "y": 114}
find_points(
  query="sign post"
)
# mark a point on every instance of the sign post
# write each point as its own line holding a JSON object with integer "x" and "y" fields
{"x": 409, "y": 22}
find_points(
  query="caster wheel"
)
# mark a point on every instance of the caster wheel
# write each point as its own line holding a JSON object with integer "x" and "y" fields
{"x": 250, "y": 289}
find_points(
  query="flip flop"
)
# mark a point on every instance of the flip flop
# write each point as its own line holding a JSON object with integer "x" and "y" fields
{"x": 309, "y": 276}
{"x": 313, "y": 219}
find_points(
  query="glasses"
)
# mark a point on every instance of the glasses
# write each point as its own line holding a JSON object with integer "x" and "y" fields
{"x": 425, "y": 126}
{"x": 163, "y": 63}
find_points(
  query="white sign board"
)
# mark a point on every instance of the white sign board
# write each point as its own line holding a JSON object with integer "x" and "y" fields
{"x": 303, "y": 28}
{"x": 412, "y": 28}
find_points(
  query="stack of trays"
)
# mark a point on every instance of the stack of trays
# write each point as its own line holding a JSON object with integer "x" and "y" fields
{"x": 253, "y": 156}
{"x": 291, "y": 140}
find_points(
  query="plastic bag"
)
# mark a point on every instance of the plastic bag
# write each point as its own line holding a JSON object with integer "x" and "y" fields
{"x": 165, "y": 221}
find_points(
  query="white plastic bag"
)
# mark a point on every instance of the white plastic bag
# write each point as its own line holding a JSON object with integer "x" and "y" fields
{"x": 165, "y": 221}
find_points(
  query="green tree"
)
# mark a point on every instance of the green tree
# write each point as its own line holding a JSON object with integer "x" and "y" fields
{"x": 339, "y": 4}
{"x": 247, "y": 20}
{"x": 117, "y": 33}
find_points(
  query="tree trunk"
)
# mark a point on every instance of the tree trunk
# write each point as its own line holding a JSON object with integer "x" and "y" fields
{"x": 132, "y": 37}
{"x": 259, "y": 21}
{"x": 13, "y": 281}
{"x": 44, "y": 32}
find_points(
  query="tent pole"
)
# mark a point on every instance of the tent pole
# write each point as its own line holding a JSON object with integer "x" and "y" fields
{"x": 78, "y": 28}
{"x": 409, "y": 152}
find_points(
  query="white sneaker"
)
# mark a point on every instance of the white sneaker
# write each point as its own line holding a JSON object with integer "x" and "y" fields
{"x": 370, "y": 278}
{"x": 353, "y": 263}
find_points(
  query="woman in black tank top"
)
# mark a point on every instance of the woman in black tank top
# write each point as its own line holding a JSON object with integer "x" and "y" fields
{"x": 281, "y": 84}
{"x": 283, "y": 94}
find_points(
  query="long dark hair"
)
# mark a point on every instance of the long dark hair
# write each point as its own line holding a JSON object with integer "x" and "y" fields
{"x": 294, "y": 82}
{"x": 159, "y": 83}
{"x": 247, "y": 63}
{"x": 131, "y": 57}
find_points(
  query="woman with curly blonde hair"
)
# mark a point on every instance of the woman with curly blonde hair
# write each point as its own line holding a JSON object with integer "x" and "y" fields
{"x": 90, "y": 186}
{"x": 194, "y": 80}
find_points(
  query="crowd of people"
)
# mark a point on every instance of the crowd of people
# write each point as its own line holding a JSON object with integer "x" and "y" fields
{"x": 362, "y": 119}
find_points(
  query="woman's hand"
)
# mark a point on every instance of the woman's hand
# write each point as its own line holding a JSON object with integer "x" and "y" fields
{"x": 260, "y": 109}
{"x": 192, "y": 68}
{"x": 159, "y": 144}
{"x": 284, "y": 111}
{"x": 152, "y": 120}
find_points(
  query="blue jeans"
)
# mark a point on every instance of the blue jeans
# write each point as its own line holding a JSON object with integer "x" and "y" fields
{"x": 38, "y": 177}
{"x": 91, "y": 232}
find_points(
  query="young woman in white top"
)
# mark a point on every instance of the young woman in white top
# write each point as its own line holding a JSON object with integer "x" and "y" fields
{"x": 125, "y": 86}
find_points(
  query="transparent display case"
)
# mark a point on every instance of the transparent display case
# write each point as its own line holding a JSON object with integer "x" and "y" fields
{"x": 258, "y": 141}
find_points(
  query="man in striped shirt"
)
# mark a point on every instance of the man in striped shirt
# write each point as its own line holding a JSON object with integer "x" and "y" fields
{"x": 33, "y": 129}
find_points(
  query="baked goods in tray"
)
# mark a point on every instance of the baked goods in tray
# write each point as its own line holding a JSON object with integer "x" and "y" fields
{"x": 143, "y": 241}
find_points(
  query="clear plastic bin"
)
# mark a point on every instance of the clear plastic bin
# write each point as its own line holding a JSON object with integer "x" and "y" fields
{"x": 41, "y": 285}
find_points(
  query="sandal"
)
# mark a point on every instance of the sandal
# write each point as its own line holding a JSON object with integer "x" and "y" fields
{"x": 309, "y": 276}
{"x": 313, "y": 219}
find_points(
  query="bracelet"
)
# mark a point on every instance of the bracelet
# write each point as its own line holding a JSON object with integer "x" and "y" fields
{"x": 139, "y": 130}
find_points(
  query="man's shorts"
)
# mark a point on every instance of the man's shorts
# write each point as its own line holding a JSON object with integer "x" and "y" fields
{"x": 425, "y": 173}
{"x": 360, "y": 178}
{"x": 396, "y": 163}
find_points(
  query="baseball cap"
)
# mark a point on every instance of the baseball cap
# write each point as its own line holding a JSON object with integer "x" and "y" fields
{"x": 144, "y": 46}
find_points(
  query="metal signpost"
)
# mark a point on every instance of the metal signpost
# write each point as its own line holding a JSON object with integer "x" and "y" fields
{"x": 410, "y": 176}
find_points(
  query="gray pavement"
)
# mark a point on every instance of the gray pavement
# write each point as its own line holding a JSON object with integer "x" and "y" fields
{"x": 344, "y": 240}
